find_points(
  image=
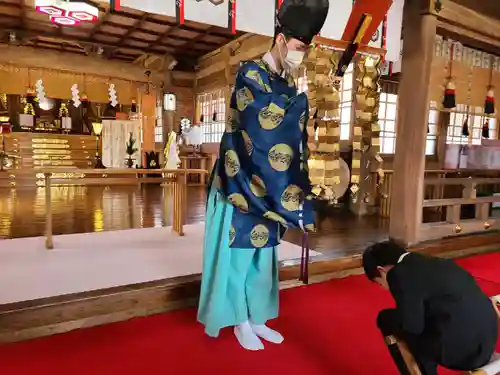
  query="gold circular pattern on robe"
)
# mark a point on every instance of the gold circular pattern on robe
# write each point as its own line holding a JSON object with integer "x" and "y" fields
{"x": 244, "y": 98}
{"x": 232, "y": 235}
{"x": 271, "y": 117}
{"x": 248, "y": 142}
{"x": 233, "y": 121}
{"x": 275, "y": 217}
{"x": 257, "y": 186}
{"x": 231, "y": 163}
{"x": 238, "y": 201}
{"x": 259, "y": 236}
{"x": 280, "y": 157}
{"x": 302, "y": 121}
{"x": 291, "y": 198}
{"x": 255, "y": 76}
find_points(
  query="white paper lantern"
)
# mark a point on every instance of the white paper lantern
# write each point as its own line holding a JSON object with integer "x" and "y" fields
{"x": 169, "y": 102}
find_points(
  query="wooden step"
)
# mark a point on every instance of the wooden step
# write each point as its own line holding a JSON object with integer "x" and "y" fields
{"x": 48, "y": 316}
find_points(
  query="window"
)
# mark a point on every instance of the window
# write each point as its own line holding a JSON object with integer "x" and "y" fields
{"x": 432, "y": 127}
{"x": 302, "y": 83}
{"x": 158, "y": 133}
{"x": 345, "y": 106}
{"x": 476, "y": 120}
{"x": 387, "y": 113}
{"x": 159, "y": 124}
{"x": 212, "y": 109}
{"x": 346, "y": 103}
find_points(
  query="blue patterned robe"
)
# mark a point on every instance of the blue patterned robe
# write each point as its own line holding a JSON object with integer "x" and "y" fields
{"x": 262, "y": 166}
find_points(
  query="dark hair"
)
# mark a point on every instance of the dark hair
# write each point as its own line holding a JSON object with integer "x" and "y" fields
{"x": 381, "y": 254}
{"x": 280, "y": 30}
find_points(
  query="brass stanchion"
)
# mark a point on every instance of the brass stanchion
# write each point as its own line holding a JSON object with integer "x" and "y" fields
{"x": 179, "y": 203}
{"x": 49, "y": 244}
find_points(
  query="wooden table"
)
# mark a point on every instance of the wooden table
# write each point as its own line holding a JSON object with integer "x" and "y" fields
{"x": 187, "y": 162}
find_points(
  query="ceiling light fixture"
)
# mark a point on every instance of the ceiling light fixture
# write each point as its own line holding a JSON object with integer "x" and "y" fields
{"x": 66, "y": 13}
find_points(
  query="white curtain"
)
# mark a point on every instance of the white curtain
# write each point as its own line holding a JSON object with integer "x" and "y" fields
{"x": 115, "y": 136}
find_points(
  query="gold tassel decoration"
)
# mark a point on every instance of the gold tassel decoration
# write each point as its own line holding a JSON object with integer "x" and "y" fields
{"x": 63, "y": 110}
{"x": 29, "y": 109}
{"x": 324, "y": 126}
{"x": 366, "y": 135}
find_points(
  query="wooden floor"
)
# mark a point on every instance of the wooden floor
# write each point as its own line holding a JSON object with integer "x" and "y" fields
{"x": 79, "y": 209}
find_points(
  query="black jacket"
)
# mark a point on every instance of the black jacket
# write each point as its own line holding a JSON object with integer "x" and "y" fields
{"x": 438, "y": 299}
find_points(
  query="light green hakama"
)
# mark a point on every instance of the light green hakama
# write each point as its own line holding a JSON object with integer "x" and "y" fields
{"x": 237, "y": 284}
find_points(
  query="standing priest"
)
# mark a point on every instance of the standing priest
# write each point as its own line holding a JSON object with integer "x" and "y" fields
{"x": 260, "y": 184}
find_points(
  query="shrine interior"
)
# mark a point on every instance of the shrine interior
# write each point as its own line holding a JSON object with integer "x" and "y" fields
{"x": 99, "y": 115}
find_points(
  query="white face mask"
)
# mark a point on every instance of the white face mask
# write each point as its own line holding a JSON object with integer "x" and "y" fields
{"x": 292, "y": 59}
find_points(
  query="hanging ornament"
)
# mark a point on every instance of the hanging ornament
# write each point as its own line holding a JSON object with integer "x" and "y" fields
{"x": 84, "y": 101}
{"x": 449, "y": 101}
{"x": 133, "y": 109}
{"x": 214, "y": 117}
{"x": 75, "y": 96}
{"x": 465, "y": 127}
{"x": 30, "y": 95}
{"x": 489, "y": 103}
{"x": 323, "y": 160}
{"x": 63, "y": 111}
{"x": 112, "y": 95}
{"x": 29, "y": 109}
{"x": 40, "y": 90}
{"x": 486, "y": 129}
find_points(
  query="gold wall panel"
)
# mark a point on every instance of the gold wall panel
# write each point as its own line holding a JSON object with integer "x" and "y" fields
{"x": 57, "y": 84}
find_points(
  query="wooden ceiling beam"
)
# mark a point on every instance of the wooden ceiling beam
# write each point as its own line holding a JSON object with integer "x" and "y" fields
{"x": 22, "y": 15}
{"x": 84, "y": 41}
{"x": 102, "y": 21}
{"x": 70, "y": 62}
{"x": 197, "y": 38}
{"x": 159, "y": 36}
{"x": 470, "y": 21}
{"x": 156, "y": 21}
{"x": 247, "y": 48}
{"x": 471, "y": 38}
{"x": 104, "y": 8}
{"x": 132, "y": 29}
{"x": 162, "y": 36}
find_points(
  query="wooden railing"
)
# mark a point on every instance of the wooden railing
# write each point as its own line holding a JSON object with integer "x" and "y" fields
{"x": 454, "y": 224}
{"x": 384, "y": 192}
{"x": 177, "y": 177}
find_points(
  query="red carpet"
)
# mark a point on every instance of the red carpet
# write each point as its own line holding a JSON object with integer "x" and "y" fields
{"x": 485, "y": 267}
{"x": 329, "y": 329}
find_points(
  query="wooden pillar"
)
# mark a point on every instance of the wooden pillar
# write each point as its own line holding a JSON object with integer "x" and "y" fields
{"x": 444, "y": 120}
{"x": 228, "y": 81}
{"x": 409, "y": 161}
{"x": 148, "y": 112}
{"x": 168, "y": 116}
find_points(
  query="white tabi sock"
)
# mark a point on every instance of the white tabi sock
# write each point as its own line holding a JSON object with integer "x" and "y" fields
{"x": 267, "y": 333}
{"x": 247, "y": 338}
